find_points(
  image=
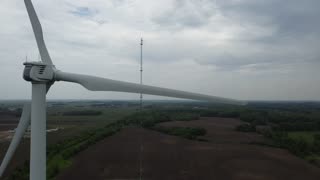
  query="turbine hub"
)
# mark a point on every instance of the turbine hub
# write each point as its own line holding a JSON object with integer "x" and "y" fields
{"x": 38, "y": 72}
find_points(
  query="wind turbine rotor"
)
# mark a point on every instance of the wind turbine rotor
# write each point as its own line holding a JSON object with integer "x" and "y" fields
{"x": 43, "y": 74}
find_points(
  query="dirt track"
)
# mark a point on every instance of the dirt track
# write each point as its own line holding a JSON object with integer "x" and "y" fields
{"x": 227, "y": 155}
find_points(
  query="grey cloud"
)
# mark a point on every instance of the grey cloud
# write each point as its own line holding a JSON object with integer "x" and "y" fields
{"x": 194, "y": 45}
{"x": 294, "y": 17}
{"x": 230, "y": 61}
{"x": 295, "y": 39}
{"x": 186, "y": 13}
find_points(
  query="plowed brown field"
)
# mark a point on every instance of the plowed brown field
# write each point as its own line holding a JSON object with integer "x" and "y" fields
{"x": 227, "y": 156}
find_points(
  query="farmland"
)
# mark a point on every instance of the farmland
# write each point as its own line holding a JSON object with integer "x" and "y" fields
{"x": 180, "y": 140}
{"x": 70, "y": 127}
{"x": 227, "y": 154}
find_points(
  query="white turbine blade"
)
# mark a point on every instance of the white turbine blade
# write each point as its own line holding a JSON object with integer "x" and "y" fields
{"x": 18, "y": 135}
{"x": 37, "y": 30}
{"x": 102, "y": 84}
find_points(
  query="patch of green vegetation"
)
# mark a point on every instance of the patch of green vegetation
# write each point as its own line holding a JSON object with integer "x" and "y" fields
{"x": 185, "y": 132}
{"x": 313, "y": 159}
{"x": 56, "y": 115}
{"x": 184, "y": 116}
{"x": 56, "y": 164}
{"x": 308, "y": 136}
{"x": 58, "y": 155}
{"x": 21, "y": 173}
{"x": 83, "y": 113}
{"x": 301, "y": 146}
{"x": 148, "y": 119}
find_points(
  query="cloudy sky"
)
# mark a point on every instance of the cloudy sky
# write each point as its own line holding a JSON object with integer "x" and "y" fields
{"x": 243, "y": 49}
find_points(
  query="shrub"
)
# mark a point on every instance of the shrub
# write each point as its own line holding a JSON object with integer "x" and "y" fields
{"x": 186, "y": 132}
{"x": 83, "y": 113}
{"x": 246, "y": 128}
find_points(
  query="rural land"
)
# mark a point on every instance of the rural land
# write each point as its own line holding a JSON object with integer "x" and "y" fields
{"x": 104, "y": 139}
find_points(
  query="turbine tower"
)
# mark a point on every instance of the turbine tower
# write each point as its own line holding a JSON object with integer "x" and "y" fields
{"x": 42, "y": 76}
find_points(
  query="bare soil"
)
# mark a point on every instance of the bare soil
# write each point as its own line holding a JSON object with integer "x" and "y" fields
{"x": 228, "y": 155}
{"x": 220, "y": 130}
{"x": 8, "y": 122}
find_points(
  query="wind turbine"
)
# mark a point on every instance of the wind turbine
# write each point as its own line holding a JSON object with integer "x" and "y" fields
{"x": 43, "y": 74}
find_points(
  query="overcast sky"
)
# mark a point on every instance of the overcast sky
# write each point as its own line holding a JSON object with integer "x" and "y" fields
{"x": 243, "y": 49}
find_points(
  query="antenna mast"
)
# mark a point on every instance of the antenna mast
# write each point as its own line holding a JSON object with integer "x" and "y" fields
{"x": 141, "y": 140}
{"x": 141, "y": 44}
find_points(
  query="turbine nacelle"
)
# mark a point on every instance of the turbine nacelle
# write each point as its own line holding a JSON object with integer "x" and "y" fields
{"x": 38, "y": 72}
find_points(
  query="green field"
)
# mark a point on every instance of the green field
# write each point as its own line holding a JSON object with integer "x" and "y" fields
{"x": 308, "y": 136}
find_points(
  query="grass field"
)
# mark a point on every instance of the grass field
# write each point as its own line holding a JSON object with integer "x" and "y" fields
{"x": 308, "y": 136}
